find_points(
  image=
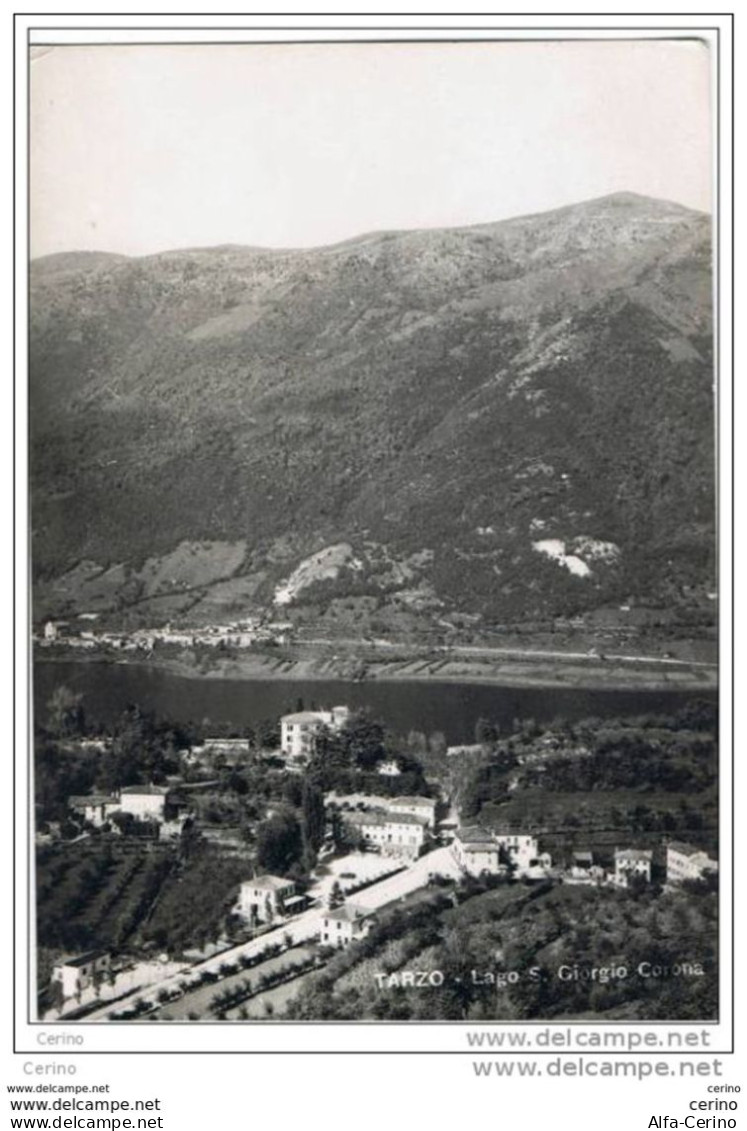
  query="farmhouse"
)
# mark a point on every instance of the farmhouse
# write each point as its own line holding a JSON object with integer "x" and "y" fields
{"x": 264, "y": 898}
{"x": 96, "y": 808}
{"x": 144, "y": 802}
{"x": 630, "y": 862}
{"x": 77, "y": 973}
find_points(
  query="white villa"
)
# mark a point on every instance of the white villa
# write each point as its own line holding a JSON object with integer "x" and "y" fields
{"x": 298, "y": 731}
{"x": 264, "y": 898}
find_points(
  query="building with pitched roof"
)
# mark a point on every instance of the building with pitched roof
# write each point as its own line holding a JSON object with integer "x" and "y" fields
{"x": 264, "y": 898}
{"x": 77, "y": 972}
{"x": 393, "y": 834}
{"x": 144, "y": 802}
{"x": 632, "y": 862}
{"x": 299, "y": 731}
{"x": 416, "y": 806}
{"x": 685, "y": 862}
{"x": 479, "y": 851}
{"x": 96, "y": 808}
{"x": 345, "y": 925}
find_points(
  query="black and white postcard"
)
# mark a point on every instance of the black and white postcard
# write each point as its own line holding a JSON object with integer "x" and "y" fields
{"x": 375, "y": 583}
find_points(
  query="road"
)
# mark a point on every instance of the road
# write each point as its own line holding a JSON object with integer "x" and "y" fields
{"x": 300, "y": 929}
{"x": 511, "y": 653}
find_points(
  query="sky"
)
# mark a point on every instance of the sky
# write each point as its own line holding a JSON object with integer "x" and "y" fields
{"x": 138, "y": 149}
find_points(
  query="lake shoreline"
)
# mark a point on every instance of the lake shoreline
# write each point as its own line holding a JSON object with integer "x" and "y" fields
{"x": 528, "y": 672}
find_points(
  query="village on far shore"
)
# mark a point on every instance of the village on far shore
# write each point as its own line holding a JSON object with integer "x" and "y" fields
{"x": 374, "y": 851}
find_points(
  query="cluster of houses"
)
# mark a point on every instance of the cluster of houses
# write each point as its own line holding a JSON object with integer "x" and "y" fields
{"x": 268, "y": 899}
{"x": 151, "y": 804}
{"x": 238, "y": 634}
{"x": 481, "y": 852}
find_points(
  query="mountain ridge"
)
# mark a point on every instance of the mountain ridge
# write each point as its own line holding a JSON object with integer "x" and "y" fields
{"x": 461, "y": 393}
{"x": 621, "y": 197}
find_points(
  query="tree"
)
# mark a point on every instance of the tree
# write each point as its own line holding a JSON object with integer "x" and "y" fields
{"x": 363, "y": 738}
{"x": 267, "y": 734}
{"x": 312, "y": 802}
{"x": 66, "y": 715}
{"x": 486, "y": 732}
{"x": 279, "y": 843}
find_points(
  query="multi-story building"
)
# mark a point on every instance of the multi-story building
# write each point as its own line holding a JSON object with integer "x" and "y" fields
{"x": 264, "y": 898}
{"x": 394, "y": 834}
{"x": 424, "y": 807}
{"x": 684, "y": 862}
{"x": 144, "y": 802}
{"x": 96, "y": 808}
{"x": 345, "y": 925}
{"x": 631, "y": 862}
{"x": 520, "y": 848}
{"x": 77, "y": 973}
{"x": 298, "y": 732}
{"x": 479, "y": 851}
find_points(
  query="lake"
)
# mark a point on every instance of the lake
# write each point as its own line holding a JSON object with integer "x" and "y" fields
{"x": 448, "y": 707}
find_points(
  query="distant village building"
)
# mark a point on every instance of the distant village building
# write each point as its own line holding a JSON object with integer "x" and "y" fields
{"x": 684, "y": 862}
{"x": 461, "y": 751}
{"x": 345, "y": 925}
{"x": 394, "y": 834}
{"x": 298, "y": 732}
{"x": 388, "y": 769}
{"x": 264, "y": 898}
{"x": 56, "y": 629}
{"x": 632, "y": 862}
{"x": 76, "y": 974}
{"x": 232, "y": 751}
